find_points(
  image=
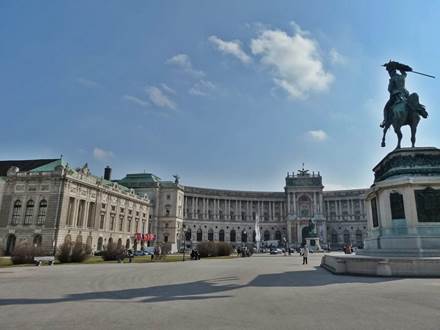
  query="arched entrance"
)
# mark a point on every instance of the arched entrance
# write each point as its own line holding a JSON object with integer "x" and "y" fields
{"x": 304, "y": 234}
{"x": 244, "y": 236}
{"x": 10, "y": 244}
{"x": 221, "y": 235}
{"x": 99, "y": 247}
{"x": 210, "y": 234}
{"x": 37, "y": 241}
{"x": 127, "y": 244}
{"x": 266, "y": 235}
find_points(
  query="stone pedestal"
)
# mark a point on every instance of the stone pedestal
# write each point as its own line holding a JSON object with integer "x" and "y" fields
{"x": 403, "y": 212}
{"x": 403, "y": 205}
{"x": 313, "y": 244}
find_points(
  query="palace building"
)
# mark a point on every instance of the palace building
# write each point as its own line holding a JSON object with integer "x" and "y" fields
{"x": 47, "y": 202}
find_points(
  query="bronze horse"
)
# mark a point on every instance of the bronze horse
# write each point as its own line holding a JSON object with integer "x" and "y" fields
{"x": 405, "y": 112}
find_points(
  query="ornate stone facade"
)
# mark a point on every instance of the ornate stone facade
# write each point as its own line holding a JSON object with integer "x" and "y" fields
{"x": 192, "y": 214}
{"x": 53, "y": 203}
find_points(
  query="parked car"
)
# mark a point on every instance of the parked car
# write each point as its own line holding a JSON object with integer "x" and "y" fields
{"x": 276, "y": 251}
{"x": 149, "y": 250}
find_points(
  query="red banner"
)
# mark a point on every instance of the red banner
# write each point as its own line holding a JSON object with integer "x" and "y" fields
{"x": 144, "y": 237}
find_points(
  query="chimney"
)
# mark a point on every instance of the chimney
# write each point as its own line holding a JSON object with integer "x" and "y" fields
{"x": 108, "y": 173}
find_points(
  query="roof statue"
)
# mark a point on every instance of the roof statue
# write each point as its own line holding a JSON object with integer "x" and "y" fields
{"x": 402, "y": 108}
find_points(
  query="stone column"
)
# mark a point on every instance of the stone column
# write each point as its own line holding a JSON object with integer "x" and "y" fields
{"x": 351, "y": 210}
{"x": 294, "y": 204}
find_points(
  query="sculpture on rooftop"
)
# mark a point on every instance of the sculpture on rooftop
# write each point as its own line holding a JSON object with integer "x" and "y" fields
{"x": 402, "y": 107}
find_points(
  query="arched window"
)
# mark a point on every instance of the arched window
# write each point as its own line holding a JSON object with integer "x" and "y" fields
{"x": 244, "y": 236}
{"x": 99, "y": 247}
{"x": 359, "y": 238}
{"x": 254, "y": 236}
{"x": 29, "y": 213}
{"x": 305, "y": 206}
{"x": 346, "y": 236}
{"x": 110, "y": 241}
{"x": 127, "y": 243}
{"x": 79, "y": 239}
{"x": 16, "y": 213}
{"x": 266, "y": 235}
{"x": 334, "y": 237}
{"x": 37, "y": 241}
{"x": 165, "y": 238}
{"x": 221, "y": 235}
{"x": 188, "y": 234}
{"x": 199, "y": 235}
{"x": 67, "y": 238}
{"x": 210, "y": 234}
{"x": 278, "y": 235}
{"x": 42, "y": 211}
{"x": 119, "y": 243}
{"x": 232, "y": 235}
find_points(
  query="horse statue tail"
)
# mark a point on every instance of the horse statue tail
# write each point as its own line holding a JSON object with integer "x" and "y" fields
{"x": 414, "y": 105}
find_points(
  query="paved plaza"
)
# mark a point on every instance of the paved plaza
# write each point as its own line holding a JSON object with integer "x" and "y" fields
{"x": 261, "y": 292}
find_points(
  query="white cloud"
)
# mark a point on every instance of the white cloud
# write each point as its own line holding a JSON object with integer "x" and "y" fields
{"x": 293, "y": 61}
{"x": 231, "y": 47}
{"x": 183, "y": 62}
{"x": 87, "y": 82}
{"x": 159, "y": 98}
{"x": 318, "y": 135}
{"x": 202, "y": 88}
{"x": 101, "y": 154}
{"x": 336, "y": 57}
{"x": 168, "y": 89}
{"x": 136, "y": 100}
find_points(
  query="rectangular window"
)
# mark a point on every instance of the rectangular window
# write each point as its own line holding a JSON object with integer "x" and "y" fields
{"x": 112, "y": 222}
{"x": 121, "y": 223}
{"x": 374, "y": 212}
{"x": 102, "y": 221}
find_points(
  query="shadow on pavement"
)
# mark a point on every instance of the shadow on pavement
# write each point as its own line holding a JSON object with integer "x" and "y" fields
{"x": 200, "y": 290}
{"x": 307, "y": 278}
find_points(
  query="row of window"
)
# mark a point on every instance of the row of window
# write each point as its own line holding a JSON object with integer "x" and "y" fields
{"x": 222, "y": 216}
{"x": 29, "y": 212}
{"x": 232, "y": 235}
{"x": 346, "y": 237}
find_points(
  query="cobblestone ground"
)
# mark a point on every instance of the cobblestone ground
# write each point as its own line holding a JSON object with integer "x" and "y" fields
{"x": 261, "y": 292}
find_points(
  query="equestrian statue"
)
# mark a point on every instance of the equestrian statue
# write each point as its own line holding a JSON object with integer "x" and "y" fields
{"x": 402, "y": 107}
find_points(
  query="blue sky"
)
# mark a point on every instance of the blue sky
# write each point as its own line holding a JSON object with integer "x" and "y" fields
{"x": 228, "y": 94}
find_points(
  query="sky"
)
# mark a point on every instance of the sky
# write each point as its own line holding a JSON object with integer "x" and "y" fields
{"x": 226, "y": 94}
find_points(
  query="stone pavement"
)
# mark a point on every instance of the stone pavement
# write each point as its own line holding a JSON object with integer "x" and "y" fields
{"x": 261, "y": 292}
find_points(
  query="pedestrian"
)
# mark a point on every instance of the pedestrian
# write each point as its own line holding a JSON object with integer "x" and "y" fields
{"x": 305, "y": 254}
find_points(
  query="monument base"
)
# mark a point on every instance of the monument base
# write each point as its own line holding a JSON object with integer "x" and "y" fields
{"x": 381, "y": 266}
{"x": 313, "y": 244}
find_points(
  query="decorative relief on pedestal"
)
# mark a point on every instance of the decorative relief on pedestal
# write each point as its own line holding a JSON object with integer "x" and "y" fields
{"x": 428, "y": 204}
{"x": 397, "y": 208}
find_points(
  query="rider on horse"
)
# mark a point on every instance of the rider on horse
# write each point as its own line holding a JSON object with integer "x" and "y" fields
{"x": 402, "y": 107}
{"x": 396, "y": 88}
